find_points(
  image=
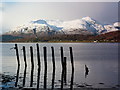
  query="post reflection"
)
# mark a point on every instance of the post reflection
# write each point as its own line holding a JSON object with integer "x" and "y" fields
{"x": 86, "y": 71}
{"x": 17, "y": 77}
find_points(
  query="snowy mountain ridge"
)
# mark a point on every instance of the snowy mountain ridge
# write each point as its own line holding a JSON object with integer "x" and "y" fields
{"x": 86, "y": 25}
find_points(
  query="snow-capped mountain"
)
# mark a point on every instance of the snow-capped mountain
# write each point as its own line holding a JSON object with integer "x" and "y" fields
{"x": 114, "y": 27}
{"x": 85, "y": 26}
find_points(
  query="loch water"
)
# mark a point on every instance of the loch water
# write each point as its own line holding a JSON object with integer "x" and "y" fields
{"x": 100, "y": 58}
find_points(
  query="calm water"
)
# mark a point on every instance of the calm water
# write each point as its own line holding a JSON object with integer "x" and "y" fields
{"x": 101, "y": 59}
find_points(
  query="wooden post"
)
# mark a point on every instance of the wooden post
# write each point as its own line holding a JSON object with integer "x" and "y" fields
{"x": 32, "y": 68}
{"x": 17, "y": 54}
{"x": 38, "y": 57}
{"x": 71, "y": 56}
{"x": 65, "y": 70}
{"x": 72, "y": 64}
{"x": 53, "y": 60}
{"x": 62, "y": 56}
{"x": 24, "y": 54}
{"x": 45, "y": 64}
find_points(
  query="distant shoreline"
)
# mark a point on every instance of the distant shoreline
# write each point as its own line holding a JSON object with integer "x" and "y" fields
{"x": 65, "y": 42}
{"x": 111, "y": 37}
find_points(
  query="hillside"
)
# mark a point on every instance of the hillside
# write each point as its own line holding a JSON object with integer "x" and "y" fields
{"x": 107, "y": 37}
{"x": 111, "y": 36}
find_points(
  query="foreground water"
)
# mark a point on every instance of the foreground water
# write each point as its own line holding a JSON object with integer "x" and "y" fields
{"x": 101, "y": 59}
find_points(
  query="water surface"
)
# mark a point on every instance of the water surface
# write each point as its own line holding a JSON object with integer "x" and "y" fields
{"x": 101, "y": 59}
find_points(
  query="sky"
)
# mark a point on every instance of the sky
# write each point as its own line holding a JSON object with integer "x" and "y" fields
{"x": 59, "y": 0}
{"x": 13, "y": 14}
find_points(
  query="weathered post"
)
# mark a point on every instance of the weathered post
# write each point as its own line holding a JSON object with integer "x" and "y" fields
{"x": 24, "y": 54}
{"x": 72, "y": 64}
{"x": 32, "y": 68}
{"x": 38, "y": 57}
{"x": 53, "y": 60}
{"x": 17, "y": 54}
{"x": 62, "y": 56}
{"x": 45, "y": 64}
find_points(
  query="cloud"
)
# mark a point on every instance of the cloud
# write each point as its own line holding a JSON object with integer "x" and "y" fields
{"x": 0, "y": 5}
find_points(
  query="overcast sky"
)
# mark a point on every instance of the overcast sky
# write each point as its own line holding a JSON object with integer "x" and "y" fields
{"x": 19, "y": 13}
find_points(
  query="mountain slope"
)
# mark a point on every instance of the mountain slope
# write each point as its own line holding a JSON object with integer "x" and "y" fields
{"x": 110, "y": 36}
{"x": 84, "y": 26}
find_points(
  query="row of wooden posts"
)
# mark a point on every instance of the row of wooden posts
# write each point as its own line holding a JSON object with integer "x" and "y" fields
{"x": 63, "y": 62}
